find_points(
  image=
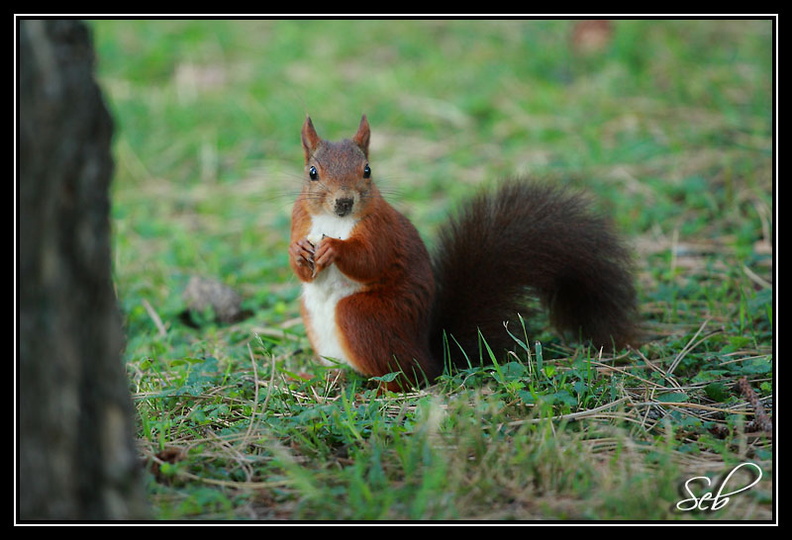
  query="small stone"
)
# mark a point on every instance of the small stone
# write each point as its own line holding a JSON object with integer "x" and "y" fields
{"x": 202, "y": 294}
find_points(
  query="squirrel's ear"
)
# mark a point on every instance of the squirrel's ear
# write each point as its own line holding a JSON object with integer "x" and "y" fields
{"x": 363, "y": 135}
{"x": 310, "y": 139}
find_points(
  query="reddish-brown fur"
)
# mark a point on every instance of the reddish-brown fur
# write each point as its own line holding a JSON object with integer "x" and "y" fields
{"x": 387, "y": 306}
{"x": 385, "y": 324}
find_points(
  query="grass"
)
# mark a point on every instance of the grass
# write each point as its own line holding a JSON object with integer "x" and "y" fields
{"x": 669, "y": 125}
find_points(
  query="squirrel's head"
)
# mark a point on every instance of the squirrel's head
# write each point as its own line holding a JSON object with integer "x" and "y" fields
{"x": 338, "y": 177}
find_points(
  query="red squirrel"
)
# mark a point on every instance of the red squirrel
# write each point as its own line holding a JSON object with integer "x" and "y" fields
{"x": 374, "y": 298}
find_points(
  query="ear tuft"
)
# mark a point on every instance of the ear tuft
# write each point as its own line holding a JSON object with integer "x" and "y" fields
{"x": 310, "y": 139}
{"x": 363, "y": 135}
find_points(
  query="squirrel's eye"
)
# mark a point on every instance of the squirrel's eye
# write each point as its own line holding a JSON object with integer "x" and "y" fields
{"x": 312, "y": 174}
{"x": 366, "y": 171}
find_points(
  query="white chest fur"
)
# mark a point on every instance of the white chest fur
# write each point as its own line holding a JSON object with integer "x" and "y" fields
{"x": 321, "y": 296}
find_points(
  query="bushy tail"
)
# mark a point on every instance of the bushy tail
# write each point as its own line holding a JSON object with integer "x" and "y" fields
{"x": 524, "y": 241}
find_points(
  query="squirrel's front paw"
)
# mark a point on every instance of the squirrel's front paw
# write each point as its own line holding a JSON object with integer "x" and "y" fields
{"x": 326, "y": 253}
{"x": 302, "y": 253}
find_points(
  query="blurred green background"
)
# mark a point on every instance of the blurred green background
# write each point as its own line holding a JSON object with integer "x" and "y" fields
{"x": 669, "y": 124}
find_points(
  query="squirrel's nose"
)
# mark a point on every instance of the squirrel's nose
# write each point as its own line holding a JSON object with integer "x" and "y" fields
{"x": 343, "y": 206}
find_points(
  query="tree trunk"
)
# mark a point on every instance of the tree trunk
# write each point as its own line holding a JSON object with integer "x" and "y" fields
{"x": 77, "y": 459}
